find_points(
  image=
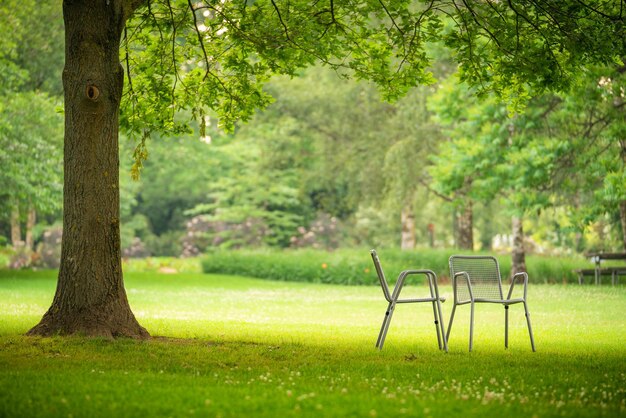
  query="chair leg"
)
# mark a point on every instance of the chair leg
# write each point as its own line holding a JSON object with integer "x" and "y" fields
{"x": 437, "y": 320}
{"x": 382, "y": 327}
{"x": 506, "y": 326}
{"x": 385, "y": 326}
{"x": 530, "y": 329}
{"x": 441, "y": 325}
{"x": 471, "y": 337}
{"x": 450, "y": 323}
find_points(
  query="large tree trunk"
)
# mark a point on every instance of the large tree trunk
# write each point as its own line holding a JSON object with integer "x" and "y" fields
{"x": 16, "y": 230}
{"x": 408, "y": 228}
{"x": 518, "y": 255}
{"x": 30, "y": 224}
{"x": 90, "y": 298}
{"x": 464, "y": 228}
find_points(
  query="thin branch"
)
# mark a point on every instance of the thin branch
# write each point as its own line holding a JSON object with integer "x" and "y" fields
{"x": 176, "y": 75}
{"x": 282, "y": 22}
{"x": 483, "y": 26}
{"x": 127, "y": 60}
{"x": 502, "y": 17}
{"x": 416, "y": 30}
{"x": 539, "y": 5}
{"x": 470, "y": 42}
{"x": 587, "y": 6}
{"x": 391, "y": 17}
{"x": 539, "y": 31}
{"x": 195, "y": 26}
{"x": 438, "y": 194}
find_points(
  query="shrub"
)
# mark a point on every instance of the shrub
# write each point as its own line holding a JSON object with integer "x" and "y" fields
{"x": 354, "y": 267}
{"x": 22, "y": 257}
{"x": 49, "y": 248}
{"x": 169, "y": 244}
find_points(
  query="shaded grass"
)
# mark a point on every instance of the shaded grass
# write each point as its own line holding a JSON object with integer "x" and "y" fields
{"x": 238, "y": 346}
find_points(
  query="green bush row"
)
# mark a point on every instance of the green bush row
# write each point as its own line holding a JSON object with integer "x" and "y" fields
{"x": 355, "y": 267}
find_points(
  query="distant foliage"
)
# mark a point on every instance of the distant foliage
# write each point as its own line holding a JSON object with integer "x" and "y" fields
{"x": 355, "y": 267}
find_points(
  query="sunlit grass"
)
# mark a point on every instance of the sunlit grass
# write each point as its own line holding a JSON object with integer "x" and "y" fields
{"x": 233, "y": 346}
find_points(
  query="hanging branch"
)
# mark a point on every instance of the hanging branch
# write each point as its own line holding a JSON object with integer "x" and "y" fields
{"x": 195, "y": 26}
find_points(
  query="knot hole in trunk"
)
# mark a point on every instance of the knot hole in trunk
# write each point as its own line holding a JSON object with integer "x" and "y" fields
{"x": 92, "y": 92}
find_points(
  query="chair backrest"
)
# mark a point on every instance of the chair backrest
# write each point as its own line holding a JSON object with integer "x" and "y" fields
{"x": 484, "y": 273}
{"x": 381, "y": 275}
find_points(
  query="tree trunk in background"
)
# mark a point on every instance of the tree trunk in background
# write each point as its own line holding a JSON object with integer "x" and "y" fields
{"x": 518, "y": 255}
{"x": 90, "y": 298}
{"x": 622, "y": 204}
{"x": 486, "y": 232}
{"x": 465, "y": 225}
{"x": 16, "y": 230}
{"x": 30, "y": 224}
{"x": 431, "y": 235}
{"x": 622, "y": 215}
{"x": 408, "y": 228}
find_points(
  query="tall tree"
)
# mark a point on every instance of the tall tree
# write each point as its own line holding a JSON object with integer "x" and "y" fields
{"x": 180, "y": 54}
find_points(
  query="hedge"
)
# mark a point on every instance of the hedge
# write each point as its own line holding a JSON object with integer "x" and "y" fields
{"x": 355, "y": 267}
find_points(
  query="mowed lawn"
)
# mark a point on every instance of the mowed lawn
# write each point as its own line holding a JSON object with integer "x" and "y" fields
{"x": 231, "y": 346}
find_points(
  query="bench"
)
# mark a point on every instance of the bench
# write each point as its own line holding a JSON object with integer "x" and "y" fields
{"x": 614, "y": 272}
{"x": 599, "y": 271}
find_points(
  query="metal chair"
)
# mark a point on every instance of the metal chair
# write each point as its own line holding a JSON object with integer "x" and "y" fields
{"x": 393, "y": 299}
{"x": 476, "y": 279}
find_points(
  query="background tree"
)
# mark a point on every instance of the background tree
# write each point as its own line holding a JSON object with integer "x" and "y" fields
{"x": 31, "y": 57}
{"x": 562, "y": 149}
{"x": 30, "y": 156}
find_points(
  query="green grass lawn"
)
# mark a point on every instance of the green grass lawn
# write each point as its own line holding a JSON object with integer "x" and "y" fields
{"x": 231, "y": 346}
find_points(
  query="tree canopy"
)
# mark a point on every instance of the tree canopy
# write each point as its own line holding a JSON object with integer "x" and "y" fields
{"x": 197, "y": 56}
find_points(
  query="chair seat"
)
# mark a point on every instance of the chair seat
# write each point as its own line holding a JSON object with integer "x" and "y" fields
{"x": 441, "y": 298}
{"x": 487, "y": 300}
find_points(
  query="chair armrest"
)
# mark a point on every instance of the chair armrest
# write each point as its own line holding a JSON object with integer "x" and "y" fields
{"x": 524, "y": 276}
{"x": 467, "y": 280}
{"x": 430, "y": 275}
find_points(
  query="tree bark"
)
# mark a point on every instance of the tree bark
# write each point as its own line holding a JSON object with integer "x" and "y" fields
{"x": 622, "y": 204}
{"x": 486, "y": 232}
{"x": 30, "y": 224}
{"x": 431, "y": 235}
{"x": 90, "y": 298}
{"x": 16, "y": 230}
{"x": 408, "y": 228}
{"x": 465, "y": 226}
{"x": 518, "y": 255}
{"x": 622, "y": 216}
